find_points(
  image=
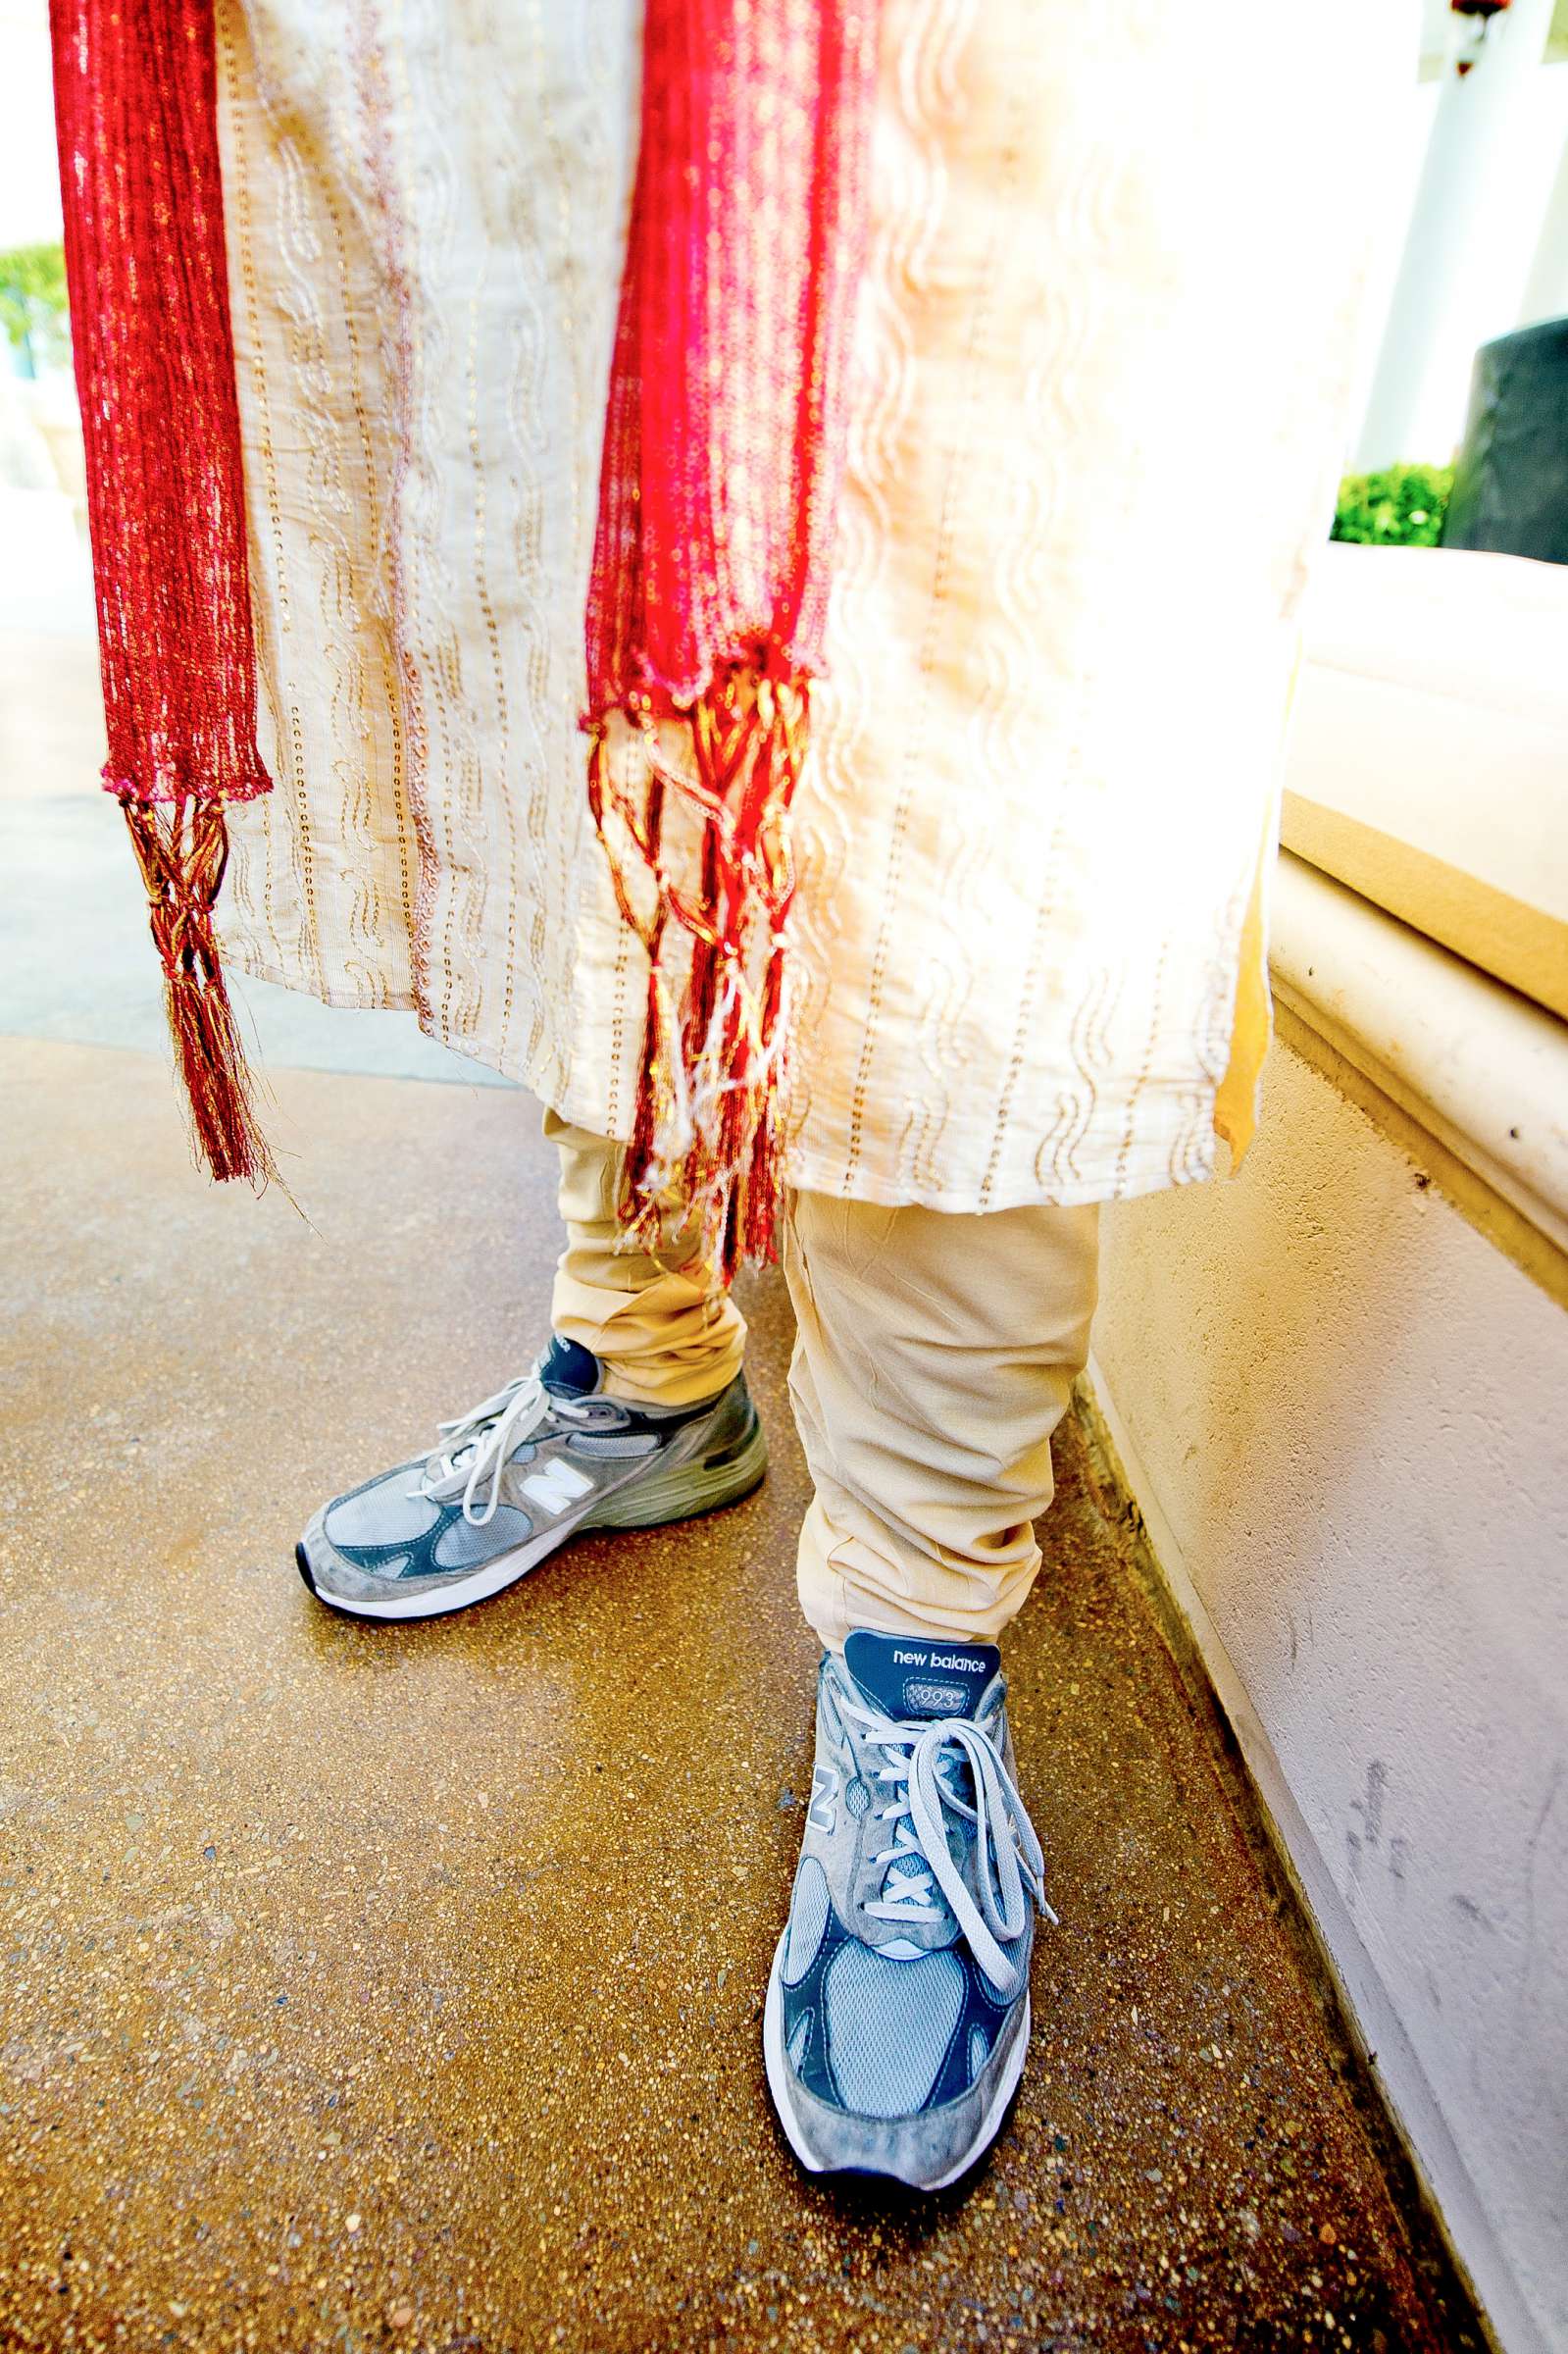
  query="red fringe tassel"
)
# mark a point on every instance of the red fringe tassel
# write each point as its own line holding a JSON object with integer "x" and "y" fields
{"x": 183, "y": 848}
{"x": 136, "y": 113}
{"x": 706, "y": 1139}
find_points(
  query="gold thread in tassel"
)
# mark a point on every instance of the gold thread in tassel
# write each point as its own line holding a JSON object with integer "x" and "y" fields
{"x": 706, "y": 1139}
{"x": 182, "y": 848}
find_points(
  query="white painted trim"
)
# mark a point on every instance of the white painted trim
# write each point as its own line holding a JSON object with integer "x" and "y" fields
{"x": 1367, "y": 2006}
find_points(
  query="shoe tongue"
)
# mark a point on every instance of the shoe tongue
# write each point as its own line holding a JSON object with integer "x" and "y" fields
{"x": 569, "y": 1371}
{"x": 908, "y": 1675}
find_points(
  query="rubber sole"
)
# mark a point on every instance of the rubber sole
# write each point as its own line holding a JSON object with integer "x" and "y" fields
{"x": 685, "y": 1493}
{"x": 772, "y": 2055}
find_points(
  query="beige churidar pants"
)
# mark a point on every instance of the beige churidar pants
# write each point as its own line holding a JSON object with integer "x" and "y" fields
{"x": 935, "y": 1355}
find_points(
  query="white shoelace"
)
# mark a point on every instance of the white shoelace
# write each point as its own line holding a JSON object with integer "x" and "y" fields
{"x": 1008, "y": 1857}
{"x": 488, "y": 1434}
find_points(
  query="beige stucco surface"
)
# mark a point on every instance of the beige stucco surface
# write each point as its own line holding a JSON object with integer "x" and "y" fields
{"x": 1346, "y": 1416}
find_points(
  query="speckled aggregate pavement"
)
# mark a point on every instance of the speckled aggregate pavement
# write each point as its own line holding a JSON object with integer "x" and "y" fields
{"x": 374, "y": 1988}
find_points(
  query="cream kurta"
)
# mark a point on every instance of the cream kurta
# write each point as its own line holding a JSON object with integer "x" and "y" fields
{"x": 1103, "y": 348}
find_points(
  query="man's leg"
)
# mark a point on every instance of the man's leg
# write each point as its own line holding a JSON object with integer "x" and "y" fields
{"x": 634, "y": 1414}
{"x": 661, "y": 1326}
{"x": 935, "y": 1356}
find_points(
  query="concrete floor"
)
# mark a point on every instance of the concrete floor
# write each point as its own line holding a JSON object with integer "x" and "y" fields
{"x": 371, "y": 1988}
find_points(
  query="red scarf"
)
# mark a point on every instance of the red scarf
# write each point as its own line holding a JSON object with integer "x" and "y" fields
{"x": 135, "y": 106}
{"x": 724, "y": 444}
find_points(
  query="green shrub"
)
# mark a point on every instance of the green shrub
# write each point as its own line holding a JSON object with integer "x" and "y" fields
{"x": 1399, "y": 507}
{"x": 32, "y": 301}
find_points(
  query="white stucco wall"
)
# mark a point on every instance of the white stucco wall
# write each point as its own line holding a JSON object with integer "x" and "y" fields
{"x": 1344, "y": 1415}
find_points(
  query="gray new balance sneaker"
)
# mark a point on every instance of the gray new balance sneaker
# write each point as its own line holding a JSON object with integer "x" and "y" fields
{"x": 897, "y": 2011}
{"x": 546, "y": 1458}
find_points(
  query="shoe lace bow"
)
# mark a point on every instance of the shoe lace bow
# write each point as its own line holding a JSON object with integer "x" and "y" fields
{"x": 923, "y": 1771}
{"x": 477, "y": 1445}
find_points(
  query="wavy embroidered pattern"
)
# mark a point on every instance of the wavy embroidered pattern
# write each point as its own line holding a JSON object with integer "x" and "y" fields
{"x": 1038, "y": 774}
{"x": 321, "y": 890}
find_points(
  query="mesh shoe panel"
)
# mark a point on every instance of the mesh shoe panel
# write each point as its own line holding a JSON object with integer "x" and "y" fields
{"x": 889, "y": 2025}
{"x": 808, "y": 1918}
{"x": 384, "y": 1513}
{"x": 464, "y": 1547}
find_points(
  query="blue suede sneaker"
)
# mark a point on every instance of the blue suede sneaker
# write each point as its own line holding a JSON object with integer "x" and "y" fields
{"x": 546, "y": 1458}
{"x": 897, "y": 2014}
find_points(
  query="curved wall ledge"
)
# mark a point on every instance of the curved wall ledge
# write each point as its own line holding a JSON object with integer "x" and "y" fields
{"x": 1469, "y": 1077}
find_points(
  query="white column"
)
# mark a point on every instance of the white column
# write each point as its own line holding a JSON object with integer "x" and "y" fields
{"x": 1450, "y": 293}
{"x": 1546, "y": 292}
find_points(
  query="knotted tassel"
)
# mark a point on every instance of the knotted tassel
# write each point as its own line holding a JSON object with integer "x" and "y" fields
{"x": 705, "y": 1134}
{"x": 182, "y": 848}
{"x": 724, "y": 440}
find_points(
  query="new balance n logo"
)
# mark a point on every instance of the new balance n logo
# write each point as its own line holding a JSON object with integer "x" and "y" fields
{"x": 556, "y": 1485}
{"x": 823, "y": 1812}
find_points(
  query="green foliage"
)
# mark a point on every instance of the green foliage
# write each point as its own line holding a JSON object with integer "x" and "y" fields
{"x": 1400, "y": 506}
{"x": 33, "y": 294}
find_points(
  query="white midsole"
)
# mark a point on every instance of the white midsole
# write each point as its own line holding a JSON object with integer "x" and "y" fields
{"x": 489, "y": 1578}
{"x": 773, "y": 2054}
